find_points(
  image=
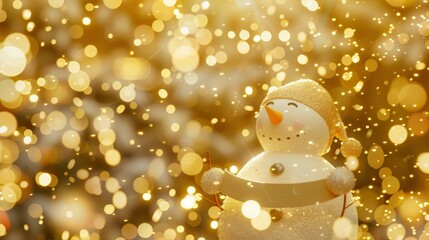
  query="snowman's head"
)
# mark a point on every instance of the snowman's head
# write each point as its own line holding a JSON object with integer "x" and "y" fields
{"x": 289, "y": 126}
{"x": 300, "y": 117}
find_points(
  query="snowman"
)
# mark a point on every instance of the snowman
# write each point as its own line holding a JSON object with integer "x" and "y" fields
{"x": 289, "y": 191}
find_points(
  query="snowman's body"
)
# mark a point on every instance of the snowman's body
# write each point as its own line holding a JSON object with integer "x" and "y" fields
{"x": 299, "y": 223}
{"x": 294, "y": 137}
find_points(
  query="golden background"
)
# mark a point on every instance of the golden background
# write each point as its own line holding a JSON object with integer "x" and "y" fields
{"x": 108, "y": 108}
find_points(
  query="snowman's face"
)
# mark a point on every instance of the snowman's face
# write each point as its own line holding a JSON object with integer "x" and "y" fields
{"x": 288, "y": 126}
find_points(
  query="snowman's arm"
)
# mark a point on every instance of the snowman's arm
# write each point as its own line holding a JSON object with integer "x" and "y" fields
{"x": 211, "y": 180}
{"x": 341, "y": 180}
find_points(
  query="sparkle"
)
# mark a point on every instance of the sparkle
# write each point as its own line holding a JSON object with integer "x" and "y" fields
{"x": 112, "y": 108}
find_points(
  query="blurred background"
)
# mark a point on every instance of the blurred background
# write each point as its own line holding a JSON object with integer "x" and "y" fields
{"x": 109, "y": 108}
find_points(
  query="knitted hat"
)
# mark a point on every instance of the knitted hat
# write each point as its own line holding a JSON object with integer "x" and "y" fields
{"x": 312, "y": 94}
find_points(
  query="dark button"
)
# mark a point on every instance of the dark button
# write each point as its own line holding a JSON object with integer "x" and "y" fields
{"x": 277, "y": 169}
{"x": 276, "y": 215}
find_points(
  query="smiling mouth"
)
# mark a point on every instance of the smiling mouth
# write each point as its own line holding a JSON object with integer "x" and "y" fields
{"x": 280, "y": 139}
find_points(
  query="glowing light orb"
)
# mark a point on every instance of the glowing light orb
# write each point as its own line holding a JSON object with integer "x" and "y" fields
{"x": 342, "y": 227}
{"x": 12, "y": 61}
{"x": 112, "y": 157}
{"x": 71, "y": 139}
{"x": 262, "y": 221}
{"x": 44, "y": 179}
{"x": 185, "y": 58}
{"x": 188, "y": 202}
{"x": 18, "y": 40}
{"x": 423, "y": 162}
{"x": 396, "y": 231}
{"x": 56, "y": 3}
{"x": 145, "y": 230}
{"x": 398, "y": 134}
{"x": 390, "y": 184}
{"x": 412, "y": 97}
{"x": 384, "y": 214}
{"x": 251, "y": 209}
{"x": 8, "y": 124}
{"x": 376, "y": 157}
{"x": 191, "y": 163}
{"x": 132, "y": 68}
{"x": 128, "y": 93}
{"x": 112, "y": 4}
{"x": 119, "y": 200}
{"x": 78, "y": 80}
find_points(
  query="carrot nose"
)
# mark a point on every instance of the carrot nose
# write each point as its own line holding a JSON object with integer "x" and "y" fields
{"x": 275, "y": 116}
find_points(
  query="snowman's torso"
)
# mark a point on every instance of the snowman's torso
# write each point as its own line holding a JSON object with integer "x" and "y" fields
{"x": 297, "y": 168}
{"x": 306, "y": 223}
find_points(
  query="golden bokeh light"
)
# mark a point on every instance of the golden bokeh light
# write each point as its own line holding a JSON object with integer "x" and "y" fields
{"x": 43, "y": 179}
{"x": 71, "y": 139}
{"x": 191, "y": 163}
{"x": 131, "y": 68}
{"x": 185, "y": 58}
{"x": 396, "y": 231}
{"x": 251, "y": 209}
{"x": 398, "y": 134}
{"x": 97, "y": 99}
{"x": 412, "y": 97}
{"x": 8, "y": 124}
{"x": 342, "y": 228}
{"x": 112, "y": 157}
{"x": 376, "y": 157}
{"x": 12, "y": 61}
{"x": 119, "y": 200}
{"x": 112, "y": 4}
{"x": 384, "y": 215}
{"x": 423, "y": 162}
{"x": 145, "y": 230}
{"x": 262, "y": 221}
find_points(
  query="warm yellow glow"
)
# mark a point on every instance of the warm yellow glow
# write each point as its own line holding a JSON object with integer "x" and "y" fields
{"x": 3, "y": 231}
{"x": 71, "y": 139}
{"x": 398, "y": 134}
{"x": 8, "y": 124}
{"x": 127, "y": 93}
{"x": 185, "y": 58}
{"x": 188, "y": 201}
{"x": 251, "y": 209}
{"x": 423, "y": 162}
{"x": 56, "y": 3}
{"x": 376, "y": 157}
{"x": 12, "y": 61}
{"x": 112, "y": 4}
{"x": 396, "y": 231}
{"x": 141, "y": 184}
{"x": 342, "y": 228}
{"x": 262, "y": 221}
{"x": 145, "y": 230}
{"x": 112, "y": 157}
{"x": 44, "y": 179}
{"x": 107, "y": 137}
{"x": 78, "y": 80}
{"x": 90, "y": 51}
{"x": 86, "y": 21}
{"x": 191, "y": 163}
{"x": 119, "y": 200}
{"x": 132, "y": 68}
{"x": 243, "y": 47}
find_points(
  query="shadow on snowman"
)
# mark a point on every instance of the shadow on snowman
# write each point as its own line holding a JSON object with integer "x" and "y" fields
{"x": 289, "y": 191}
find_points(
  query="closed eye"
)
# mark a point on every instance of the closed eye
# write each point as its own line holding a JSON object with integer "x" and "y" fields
{"x": 269, "y": 103}
{"x": 292, "y": 104}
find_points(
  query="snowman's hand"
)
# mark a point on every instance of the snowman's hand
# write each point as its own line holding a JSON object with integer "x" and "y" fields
{"x": 212, "y": 180}
{"x": 341, "y": 180}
